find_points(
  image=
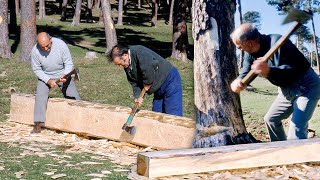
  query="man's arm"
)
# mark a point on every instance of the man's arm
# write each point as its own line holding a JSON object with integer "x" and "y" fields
{"x": 37, "y": 68}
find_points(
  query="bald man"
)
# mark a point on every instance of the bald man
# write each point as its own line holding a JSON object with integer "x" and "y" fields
{"x": 50, "y": 60}
{"x": 299, "y": 85}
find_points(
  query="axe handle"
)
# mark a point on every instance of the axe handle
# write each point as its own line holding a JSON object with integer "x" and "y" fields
{"x": 68, "y": 75}
{"x": 143, "y": 91}
{"x": 251, "y": 75}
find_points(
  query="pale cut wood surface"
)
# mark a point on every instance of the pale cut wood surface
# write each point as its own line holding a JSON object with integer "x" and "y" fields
{"x": 187, "y": 161}
{"x": 156, "y": 130}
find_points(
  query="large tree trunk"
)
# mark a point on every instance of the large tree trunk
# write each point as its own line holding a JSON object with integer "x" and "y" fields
{"x": 28, "y": 28}
{"x": 42, "y": 9}
{"x": 154, "y": 14}
{"x": 240, "y": 20}
{"x": 218, "y": 110}
{"x": 77, "y": 13}
{"x": 120, "y": 12}
{"x": 139, "y": 4}
{"x": 5, "y": 51}
{"x": 64, "y": 10}
{"x": 171, "y": 12}
{"x": 111, "y": 36}
{"x": 13, "y": 16}
{"x": 17, "y": 3}
{"x": 180, "y": 42}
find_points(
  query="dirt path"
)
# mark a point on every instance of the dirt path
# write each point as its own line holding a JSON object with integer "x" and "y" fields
{"x": 124, "y": 154}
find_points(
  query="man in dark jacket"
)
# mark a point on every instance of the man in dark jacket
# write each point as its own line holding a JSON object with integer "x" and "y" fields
{"x": 299, "y": 85}
{"x": 146, "y": 69}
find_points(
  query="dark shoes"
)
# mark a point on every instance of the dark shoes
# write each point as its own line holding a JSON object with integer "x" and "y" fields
{"x": 37, "y": 127}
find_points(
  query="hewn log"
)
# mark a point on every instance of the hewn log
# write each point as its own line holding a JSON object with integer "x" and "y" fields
{"x": 177, "y": 162}
{"x": 105, "y": 121}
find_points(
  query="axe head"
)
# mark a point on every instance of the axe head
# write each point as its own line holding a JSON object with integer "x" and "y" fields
{"x": 298, "y": 16}
{"x": 76, "y": 74}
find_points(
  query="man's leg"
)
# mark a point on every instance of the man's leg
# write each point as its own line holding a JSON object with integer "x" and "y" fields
{"x": 69, "y": 90}
{"x": 303, "y": 109}
{"x": 279, "y": 110}
{"x": 40, "y": 105}
{"x": 172, "y": 101}
{"x": 157, "y": 103}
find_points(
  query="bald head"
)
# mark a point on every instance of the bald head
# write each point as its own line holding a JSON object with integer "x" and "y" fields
{"x": 44, "y": 41}
{"x": 245, "y": 32}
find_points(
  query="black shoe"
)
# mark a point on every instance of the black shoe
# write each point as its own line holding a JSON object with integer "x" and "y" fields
{"x": 37, "y": 127}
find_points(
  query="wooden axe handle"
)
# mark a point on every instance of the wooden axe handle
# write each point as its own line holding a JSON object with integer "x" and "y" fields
{"x": 136, "y": 105}
{"x": 68, "y": 75}
{"x": 251, "y": 75}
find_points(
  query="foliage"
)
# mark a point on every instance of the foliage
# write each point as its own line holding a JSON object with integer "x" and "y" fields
{"x": 253, "y": 17}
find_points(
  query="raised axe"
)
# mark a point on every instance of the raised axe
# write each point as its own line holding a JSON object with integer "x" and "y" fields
{"x": 297, "y": 17}
{"x": 75, "y": 71}
{"x": 126, "y": 126}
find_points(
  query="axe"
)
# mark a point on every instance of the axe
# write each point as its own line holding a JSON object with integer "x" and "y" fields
{"x": 75, "y": 71}
{"x": 297, "y": 17}
{"x": 126, "y": 126}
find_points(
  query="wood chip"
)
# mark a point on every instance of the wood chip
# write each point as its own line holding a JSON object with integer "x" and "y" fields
{"x": 58, "y": 176}
{"x": 96, "y": 175}
{"x": 49, "y": 173}
{"x": 121, "y": 170}
{"x": 19, "y": 174}
{"x": 106, "y": 172}
{"x": 1, "y": 168}
{"x": 90, "y": 163}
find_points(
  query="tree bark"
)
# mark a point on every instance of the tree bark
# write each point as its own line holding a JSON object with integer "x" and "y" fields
{"x": 17, "y": 3}
{"x": 218, "y": 110}
{"x": 28, "y": 28}
{"x": 77, "y": 13}
{"x": 120, "y": 12}
{"x": 154, "y": 18}
{"x": 90, "y": 4}
{"x": 42, "y": 9}
{"x": 110, "y": 31}
{"x": 240, "y": 20}
{"x": 139, "y": 4}
{"x": 180, "y": 42}
{"x": 5, "y": 51}
{"x": 171, "y": 12}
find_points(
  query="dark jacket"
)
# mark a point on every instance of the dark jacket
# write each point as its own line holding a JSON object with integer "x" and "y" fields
{"x": 286, "y": 65}
{"x": 146, "y": 67}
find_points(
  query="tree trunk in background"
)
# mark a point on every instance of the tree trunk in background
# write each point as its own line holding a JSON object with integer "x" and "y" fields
{"x": 90, "y": 4}
{"x": 180, "y": 42}
{"x": 17, "y": 3}
{"x": 171, "y": 12}
{"x": 139, "y": 4}
{"x": 13, "y": 28}
{"x": 64, "y": 10}
{"x": 215, "y": 66}
{"x": 28, "y": 28}
{"x": 154, "y": 18}
{"x": 240, "y": 20}
{"x": 120, "y": 12}
{"x": 5, "y": 51}
{"x": 111, "y": 36}
{"x": 42, "y": 9}
{"x": 315, "y": 41}
{"x": 77, "y": 13}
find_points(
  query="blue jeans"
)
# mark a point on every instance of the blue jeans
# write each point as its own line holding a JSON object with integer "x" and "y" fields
{"x": 300, "y": 100}
{"x": 168, "y": 98}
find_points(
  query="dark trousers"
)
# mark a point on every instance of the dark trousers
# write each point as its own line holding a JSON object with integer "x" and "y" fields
{"x": 168, "y": 98}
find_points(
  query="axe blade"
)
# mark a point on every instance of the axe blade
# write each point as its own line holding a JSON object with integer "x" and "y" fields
{"x": 299, "y": 16}
{"x": 76, "y": 74}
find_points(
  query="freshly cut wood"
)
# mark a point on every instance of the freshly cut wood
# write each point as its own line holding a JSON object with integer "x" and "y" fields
{"x": 186, "y": 161}
{"x": 157, "y": 130}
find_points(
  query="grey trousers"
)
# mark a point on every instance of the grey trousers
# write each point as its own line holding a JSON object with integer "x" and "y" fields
{"x": 68, "y": 89}
{"x": 300, "y": 100}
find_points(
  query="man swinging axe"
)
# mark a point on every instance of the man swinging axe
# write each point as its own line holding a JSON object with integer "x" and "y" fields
{"x": 52, "y": 63}
{"x": 277, "y": 59}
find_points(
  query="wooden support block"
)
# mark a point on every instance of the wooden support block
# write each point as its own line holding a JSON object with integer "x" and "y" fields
{"x": 186, "y": 161}
{"x": 156, "y": 130}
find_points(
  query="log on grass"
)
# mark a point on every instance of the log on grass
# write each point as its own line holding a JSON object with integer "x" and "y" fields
{"x": 153, "y": 129}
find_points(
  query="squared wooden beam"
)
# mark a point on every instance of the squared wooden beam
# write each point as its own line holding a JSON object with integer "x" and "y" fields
{"x": 187, "y": 161}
